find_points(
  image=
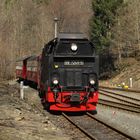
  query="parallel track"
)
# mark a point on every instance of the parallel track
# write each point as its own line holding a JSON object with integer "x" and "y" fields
{"x": 115, "y": 96}
{"x": 111, "y": 127}
{"x": 118, "y": 105}
{"x": 120, "y": 95}
{"x": 95, "y": 129}
{"x": 121, "y": 89}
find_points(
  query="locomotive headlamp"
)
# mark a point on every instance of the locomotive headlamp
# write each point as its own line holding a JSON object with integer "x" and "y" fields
{"x": 74, "y": 47}
{"x": 55, "y": 81}
{"x": 92, "y": 82}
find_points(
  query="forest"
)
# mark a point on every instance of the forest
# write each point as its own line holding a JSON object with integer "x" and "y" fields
{"x": 112, "y": 25}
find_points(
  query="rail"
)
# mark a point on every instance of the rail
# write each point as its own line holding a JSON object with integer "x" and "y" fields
{"x": 86, "y": 126}
{"x": 121, "y": 89}
{"x": 111, "y": 127}
{"x": 118, "y": 105}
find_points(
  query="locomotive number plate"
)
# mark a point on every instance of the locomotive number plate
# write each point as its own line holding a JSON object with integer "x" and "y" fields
{"x": 74, "y": 63}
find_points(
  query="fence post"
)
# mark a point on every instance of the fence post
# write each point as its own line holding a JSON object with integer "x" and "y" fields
{"x": 131, "y": 82}
{"x": 21, "y": 90}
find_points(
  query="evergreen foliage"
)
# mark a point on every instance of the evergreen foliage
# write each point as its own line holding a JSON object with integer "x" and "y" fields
{"x": 105, "y": 12}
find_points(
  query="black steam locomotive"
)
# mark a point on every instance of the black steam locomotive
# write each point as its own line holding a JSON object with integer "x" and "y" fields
{"x": 69, "y": 74}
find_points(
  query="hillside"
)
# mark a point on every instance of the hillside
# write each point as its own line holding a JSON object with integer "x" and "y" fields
{"x": 131, "y": 69}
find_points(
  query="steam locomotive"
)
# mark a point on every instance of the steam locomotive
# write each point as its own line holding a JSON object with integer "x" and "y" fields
{"x": 66, "y": 73}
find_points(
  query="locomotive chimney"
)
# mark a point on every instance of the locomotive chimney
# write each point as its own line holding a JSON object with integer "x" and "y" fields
{"x": 55, "y": 26}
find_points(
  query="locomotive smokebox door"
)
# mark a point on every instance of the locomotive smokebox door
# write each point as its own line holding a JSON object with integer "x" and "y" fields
{"x": 75, "y": 98}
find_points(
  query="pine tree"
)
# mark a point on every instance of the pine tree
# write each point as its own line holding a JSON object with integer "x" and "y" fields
{"x": 102, "y": 21}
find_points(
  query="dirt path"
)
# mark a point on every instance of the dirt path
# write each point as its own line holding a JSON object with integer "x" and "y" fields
{"x": 21, "y": 120}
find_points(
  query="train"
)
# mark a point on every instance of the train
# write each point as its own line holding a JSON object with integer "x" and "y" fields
{"x": 66, "y": 73}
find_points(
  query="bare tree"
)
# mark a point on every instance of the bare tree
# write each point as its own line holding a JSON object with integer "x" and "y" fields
{"x": 126, "y": 32}
{"x": 26, "y": 25}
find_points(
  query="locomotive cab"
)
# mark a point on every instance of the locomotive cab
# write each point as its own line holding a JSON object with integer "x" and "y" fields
{"x": 69, "y": 73}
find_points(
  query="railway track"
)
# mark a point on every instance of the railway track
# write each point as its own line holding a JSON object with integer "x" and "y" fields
{"x": 99, "y": 134}
{"x": 120, "y": 95}
{"x": 123, "y": 106}
{"x": 96, "y": 129}
{"x": 121, "y": 89}
{"x": 121, "y": 98}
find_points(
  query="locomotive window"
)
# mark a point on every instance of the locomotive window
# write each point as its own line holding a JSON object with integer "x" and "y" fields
{"x": 83, "y": 48}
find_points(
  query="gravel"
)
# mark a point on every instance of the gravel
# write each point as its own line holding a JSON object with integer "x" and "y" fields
{"x": 124, "y": 121}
